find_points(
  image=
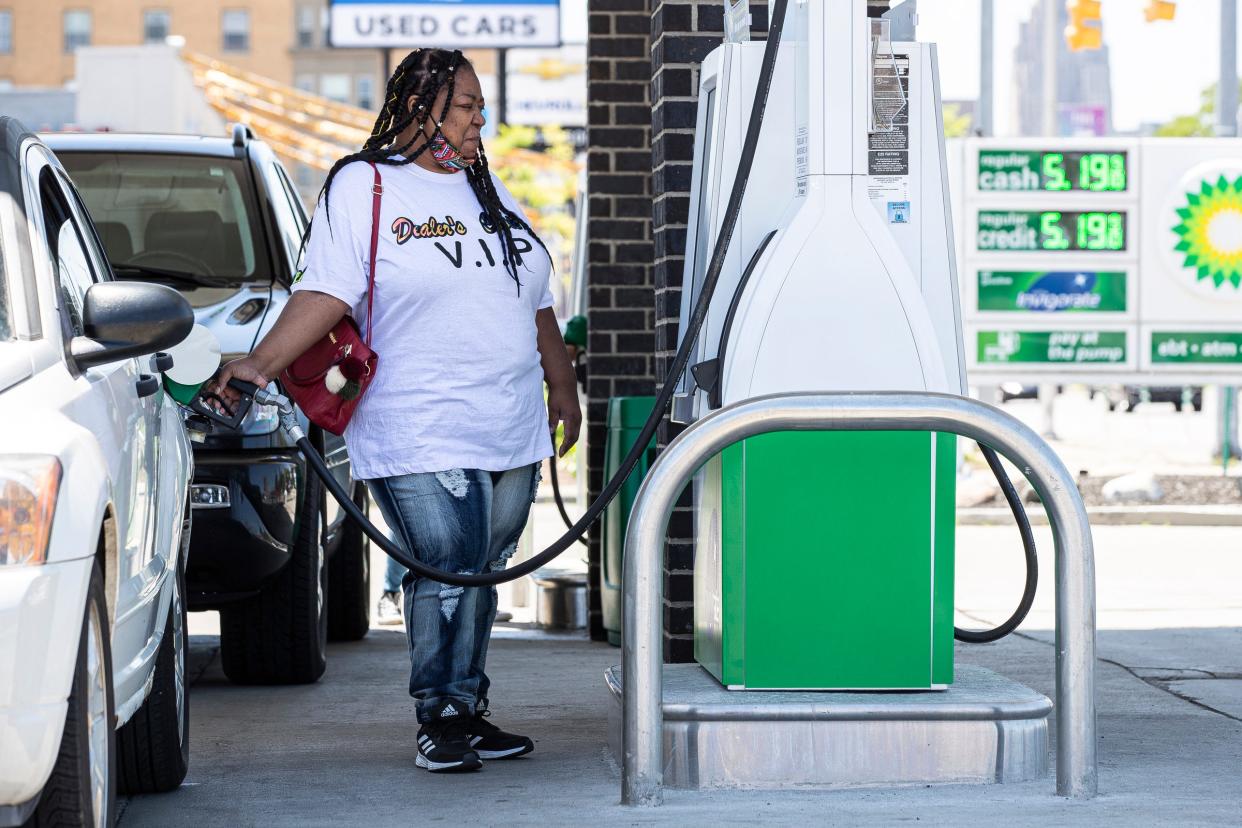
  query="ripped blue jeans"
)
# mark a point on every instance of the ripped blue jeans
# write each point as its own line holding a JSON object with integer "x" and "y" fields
{"x": 460, "y": 520}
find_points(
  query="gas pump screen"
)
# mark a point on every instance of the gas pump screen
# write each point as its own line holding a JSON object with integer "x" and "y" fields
{"x": 1052, "y": 171}
{"x": 1051, "y": 230}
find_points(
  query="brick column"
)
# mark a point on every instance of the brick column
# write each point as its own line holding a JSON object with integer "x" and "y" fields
{"x": 683, "y": 32}
{"x": 619, "y": 256}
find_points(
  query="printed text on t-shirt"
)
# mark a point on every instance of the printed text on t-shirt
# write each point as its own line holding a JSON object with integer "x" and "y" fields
{"x": 405, "y": 229}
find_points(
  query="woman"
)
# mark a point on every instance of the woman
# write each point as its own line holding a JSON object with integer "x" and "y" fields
{"x": 451, "y": 432}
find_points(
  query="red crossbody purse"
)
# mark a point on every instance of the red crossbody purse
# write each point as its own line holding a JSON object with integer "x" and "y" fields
{"x": 328, "y": 380}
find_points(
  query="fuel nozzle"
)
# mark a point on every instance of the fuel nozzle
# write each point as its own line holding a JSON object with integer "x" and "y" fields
{"x": 252, "y": 393}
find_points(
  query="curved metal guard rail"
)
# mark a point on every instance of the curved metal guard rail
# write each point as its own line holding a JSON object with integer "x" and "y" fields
{"x": 642, "y": 774}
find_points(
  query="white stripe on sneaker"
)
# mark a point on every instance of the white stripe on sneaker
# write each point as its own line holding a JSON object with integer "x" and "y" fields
{"x": 500, "y": 754}
{"x": 424, "y": 762}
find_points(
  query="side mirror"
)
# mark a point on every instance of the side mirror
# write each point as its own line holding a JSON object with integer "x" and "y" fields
{"x": 129, "y": 319}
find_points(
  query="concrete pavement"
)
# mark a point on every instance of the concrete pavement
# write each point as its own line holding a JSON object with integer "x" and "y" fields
{"x": 340, "y": 752}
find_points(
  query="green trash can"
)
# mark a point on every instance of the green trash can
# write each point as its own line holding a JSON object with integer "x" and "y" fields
{"x": 626, "y": 416}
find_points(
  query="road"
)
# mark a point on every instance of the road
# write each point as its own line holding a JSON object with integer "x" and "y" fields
{"x": 341, "y": 752}
{"x": 1153, "y": 437}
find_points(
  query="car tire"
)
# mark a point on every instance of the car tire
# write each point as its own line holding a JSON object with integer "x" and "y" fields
{"x": 280, "y": 635}
{"x": 73, "y": 793}
{"x": 153, "y": 747}
{"x": 349, "y": 572}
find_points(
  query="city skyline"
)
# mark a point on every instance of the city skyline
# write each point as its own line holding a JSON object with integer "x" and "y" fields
{"x": 1144, "y": 91}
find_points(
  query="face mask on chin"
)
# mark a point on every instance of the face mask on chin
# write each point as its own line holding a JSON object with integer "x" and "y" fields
{"x": 446, "y": 155}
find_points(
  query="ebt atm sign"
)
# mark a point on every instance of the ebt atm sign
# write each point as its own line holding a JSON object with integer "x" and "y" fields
{"x": 482, "y": 24}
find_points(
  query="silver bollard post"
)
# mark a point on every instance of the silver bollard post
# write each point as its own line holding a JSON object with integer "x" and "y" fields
{"x": 642, "y": 773}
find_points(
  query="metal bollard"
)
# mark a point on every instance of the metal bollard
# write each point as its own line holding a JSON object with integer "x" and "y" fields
{"x": 642, "y": 773}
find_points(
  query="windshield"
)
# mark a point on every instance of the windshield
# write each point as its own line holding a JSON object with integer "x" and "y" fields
{"x": 184, "y": 214}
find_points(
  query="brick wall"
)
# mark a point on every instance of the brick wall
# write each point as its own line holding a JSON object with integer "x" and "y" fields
{"x": 642, "y": 82}
{"x": 619, "y": 256}
{"x": 683, "y": 32}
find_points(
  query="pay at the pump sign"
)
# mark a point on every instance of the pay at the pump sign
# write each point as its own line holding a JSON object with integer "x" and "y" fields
{"x": 447, "y": 23}
{"x": 1078, "y": 347}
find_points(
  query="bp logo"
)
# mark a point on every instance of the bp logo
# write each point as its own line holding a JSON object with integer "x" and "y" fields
{"x": 1209, "y": 233}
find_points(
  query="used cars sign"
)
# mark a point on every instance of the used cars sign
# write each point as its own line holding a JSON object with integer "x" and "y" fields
{"x": 448, "y": 23}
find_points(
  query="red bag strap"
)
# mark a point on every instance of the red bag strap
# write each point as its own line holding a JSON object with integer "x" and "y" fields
{"x": 377, "y": 194}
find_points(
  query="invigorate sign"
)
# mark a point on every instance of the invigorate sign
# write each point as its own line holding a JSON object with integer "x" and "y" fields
{"x": 1052, "y": 291}
{"x": 461, "y": 24}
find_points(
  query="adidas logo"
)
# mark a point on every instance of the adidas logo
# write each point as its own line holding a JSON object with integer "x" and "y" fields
{"x": 448, "y": 712}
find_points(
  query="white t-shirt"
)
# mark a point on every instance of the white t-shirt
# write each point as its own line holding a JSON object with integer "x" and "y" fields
{"x": 458, "y": 383}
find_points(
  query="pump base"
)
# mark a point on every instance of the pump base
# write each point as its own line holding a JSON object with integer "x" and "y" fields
{"x": 983, "y": 729}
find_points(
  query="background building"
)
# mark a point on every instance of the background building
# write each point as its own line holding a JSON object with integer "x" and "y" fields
{"x": 1084, "y": 83}
{"x": 38, "y": 37}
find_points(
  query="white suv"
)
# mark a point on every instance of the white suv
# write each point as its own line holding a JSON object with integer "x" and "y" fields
{"x": 95, "y": 468}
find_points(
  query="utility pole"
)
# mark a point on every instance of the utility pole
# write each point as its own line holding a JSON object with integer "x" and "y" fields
{"x": 1051, "y": 43}
{"x": 1227, "y": 87}
{"x": 502, "y": 86}
{"x": 1227, "y": 127}
{"x": 986, "y": 68}
{"x": 1052, "y": 38}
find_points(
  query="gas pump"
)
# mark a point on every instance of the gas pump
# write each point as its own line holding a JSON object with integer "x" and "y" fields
{"x": 840, "y": 276}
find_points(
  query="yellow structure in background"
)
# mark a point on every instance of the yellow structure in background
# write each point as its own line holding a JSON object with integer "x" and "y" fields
{"x": 1160, "y": 10}
{"x": 299, "y": 126}
{"x": 1084, "y": 30}
{"x": 311, "y": 130}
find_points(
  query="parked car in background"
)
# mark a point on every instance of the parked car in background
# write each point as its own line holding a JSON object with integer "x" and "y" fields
{"x": 95, "y": 469}
{"x": 1132, "y": 395}
{"x": 1017, "y": 391}
{"x": 218, "y": 219}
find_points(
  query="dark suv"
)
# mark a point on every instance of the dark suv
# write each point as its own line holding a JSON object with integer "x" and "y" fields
{"x": 219, "y": 219}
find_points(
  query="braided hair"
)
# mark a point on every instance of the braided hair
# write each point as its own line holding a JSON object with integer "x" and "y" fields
{"x": 421, "y": 76}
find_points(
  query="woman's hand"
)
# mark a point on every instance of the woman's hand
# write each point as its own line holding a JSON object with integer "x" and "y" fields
{"x": 245, "y": 369}
{"x": 558, "y": 373}
{"x": 306, "y": 318}
{"x": 563, "y": 408}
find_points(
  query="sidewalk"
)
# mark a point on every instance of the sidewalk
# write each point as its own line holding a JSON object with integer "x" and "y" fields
{"x": 340, "y": 752}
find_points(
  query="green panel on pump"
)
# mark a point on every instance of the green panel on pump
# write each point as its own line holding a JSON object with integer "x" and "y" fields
{"x": 829, "y": 563}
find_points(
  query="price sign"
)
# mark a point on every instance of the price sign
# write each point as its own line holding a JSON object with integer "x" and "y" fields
{"x": 1053, "y": 171}
{"x": 1051, "y": 230}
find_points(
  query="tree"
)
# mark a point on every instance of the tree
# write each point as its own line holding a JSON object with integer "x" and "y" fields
{"x": 544, "y": 181}
{"x": 956, "y": 123}
{"x": 1200, "y": 124}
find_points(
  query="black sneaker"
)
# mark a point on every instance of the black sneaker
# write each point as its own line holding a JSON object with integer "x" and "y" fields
{"x": 490, "y": 742}
{"x": 444, "y": 742}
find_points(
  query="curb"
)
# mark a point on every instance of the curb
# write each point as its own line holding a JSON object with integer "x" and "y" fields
{"x": 1114, "y": 516}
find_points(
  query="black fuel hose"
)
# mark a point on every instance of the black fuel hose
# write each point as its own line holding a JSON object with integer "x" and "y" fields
{"x": 678, "y": 366}
{"x": 1028, "y": 548}
{"x": 560, "y": 503}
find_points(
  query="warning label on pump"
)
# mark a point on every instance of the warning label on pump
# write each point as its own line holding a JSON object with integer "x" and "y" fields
{"x": 889, "y": 142}
{"x": 802, "y": 157}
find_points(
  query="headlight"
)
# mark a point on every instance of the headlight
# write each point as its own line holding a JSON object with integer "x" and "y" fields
{"x": 28, "y": 487}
